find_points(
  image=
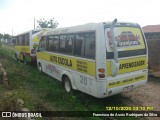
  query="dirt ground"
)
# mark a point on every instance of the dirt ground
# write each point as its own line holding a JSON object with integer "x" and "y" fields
{"x": 148, "y": 95}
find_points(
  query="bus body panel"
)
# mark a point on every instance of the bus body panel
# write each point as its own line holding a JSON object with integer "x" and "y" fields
{"x": 82, "y": 82}
{"x": 70, "y": 62}
{"x": 100, "y": 46}
{"x": 50, "y": 69}
{"x": 129, "y": 64}
{"x": 126, "y": 84}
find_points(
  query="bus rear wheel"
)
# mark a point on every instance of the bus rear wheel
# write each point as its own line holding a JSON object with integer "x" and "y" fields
{"x": 67, "y": 85}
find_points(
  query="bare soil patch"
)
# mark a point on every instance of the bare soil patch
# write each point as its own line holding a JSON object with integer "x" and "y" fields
{"x": 148, "y": 95}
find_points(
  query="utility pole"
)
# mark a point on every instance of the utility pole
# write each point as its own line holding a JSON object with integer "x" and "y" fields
{"x": 34, "y": 22}
{"x": 12, "y": 31}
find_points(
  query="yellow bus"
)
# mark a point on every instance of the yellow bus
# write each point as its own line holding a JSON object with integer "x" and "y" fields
{"x": 26, "y": 44}
{"x": 100, "y": 59}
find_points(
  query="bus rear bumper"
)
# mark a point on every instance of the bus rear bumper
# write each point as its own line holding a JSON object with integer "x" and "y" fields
{"x": 125, "y": 88}
{"x": 121, "y": 84}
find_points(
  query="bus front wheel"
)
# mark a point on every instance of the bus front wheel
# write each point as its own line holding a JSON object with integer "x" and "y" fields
{"x": 40, "y": 67}
{"x": 67, "y": 85}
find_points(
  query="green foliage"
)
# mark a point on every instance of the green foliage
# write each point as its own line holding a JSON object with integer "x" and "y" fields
{"x": 8, "y": 103}
{"x": 1, "y": 36}
{"x": 6, "y": 36}
{"x": 47, "y": 23}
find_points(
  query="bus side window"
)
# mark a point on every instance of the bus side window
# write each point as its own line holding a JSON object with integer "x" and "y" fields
{"x": 69, "y": 44}
{"x": 51, "y": 46}
{"x": 17, "y": 41}
{"x": 62, "y": 43}
{"x": 79, "y": 45}
{"x": 27, "y": 39}
{"x": 90, "y": 45}
{"x": 23, "y": 40}
{"x": 20, "y": 40}
{"x": 55, "y": 43}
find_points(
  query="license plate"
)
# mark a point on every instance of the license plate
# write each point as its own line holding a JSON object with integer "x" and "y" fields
{"x": 128, "y": 88}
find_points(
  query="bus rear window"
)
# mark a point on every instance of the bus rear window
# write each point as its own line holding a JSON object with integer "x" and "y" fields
{"x": 127, "y": 38}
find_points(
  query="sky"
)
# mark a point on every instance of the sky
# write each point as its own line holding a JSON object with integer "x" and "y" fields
{"x": 17, "y": 16}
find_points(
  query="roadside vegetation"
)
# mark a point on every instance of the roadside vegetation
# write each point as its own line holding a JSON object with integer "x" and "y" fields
{"x": 41, "y": 92}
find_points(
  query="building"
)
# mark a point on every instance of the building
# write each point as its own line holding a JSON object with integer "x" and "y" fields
{"x": 152, "y": 34}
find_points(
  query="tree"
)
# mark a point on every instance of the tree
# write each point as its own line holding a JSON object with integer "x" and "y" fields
{"x": 6, "y": 36}
{"x": 1, "y": 36}
{"x": 47, "y": 24}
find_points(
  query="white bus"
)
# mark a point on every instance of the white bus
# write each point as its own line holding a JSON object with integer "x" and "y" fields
{"x": 100, "y": 59}
{"x": 26, "y": 44}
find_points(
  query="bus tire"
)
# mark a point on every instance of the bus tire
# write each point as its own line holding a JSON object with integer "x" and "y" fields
{"x": 16, "y": 56}
{"x": 67, "y": 85}
{"x": 40, "y": 67}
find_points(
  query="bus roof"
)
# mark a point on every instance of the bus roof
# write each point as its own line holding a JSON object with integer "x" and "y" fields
{"x": 85, "y": 27}
{"x": 33, "y": 30}
{"x": 73, "y": 29}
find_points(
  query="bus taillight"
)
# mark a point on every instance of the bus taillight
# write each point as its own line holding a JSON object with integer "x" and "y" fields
{"x": 101, "y": 73}
{"x": 101, "y": 70}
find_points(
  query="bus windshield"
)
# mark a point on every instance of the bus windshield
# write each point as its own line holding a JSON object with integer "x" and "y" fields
{"x": 129, "y": 40}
